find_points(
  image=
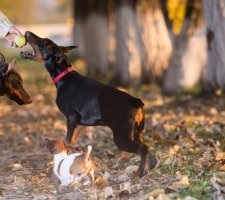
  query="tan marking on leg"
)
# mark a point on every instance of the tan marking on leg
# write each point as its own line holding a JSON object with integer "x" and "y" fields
{"x": 139, "y": 116}
{"x": 78, "y": 131}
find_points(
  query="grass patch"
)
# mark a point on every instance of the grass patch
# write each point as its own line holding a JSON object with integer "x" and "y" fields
{"x": 168, "y": 169}
{"x": 198, "y": 189}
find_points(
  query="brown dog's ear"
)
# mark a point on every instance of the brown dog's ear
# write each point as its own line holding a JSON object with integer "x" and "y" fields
{"x": 11, "y": 64}
{"x": 67, "y": 49}
{"x": 2, "y": 58}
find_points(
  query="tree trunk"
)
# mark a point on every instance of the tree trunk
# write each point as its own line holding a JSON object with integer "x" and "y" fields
{"x": 186, "y": 64}
{"x": 155, "y": 36}
{"x": 128, "y": 59}
{"x": 91, "y": 33}
{"x": 189, "y": 52}
{"x": 215, "y": 23}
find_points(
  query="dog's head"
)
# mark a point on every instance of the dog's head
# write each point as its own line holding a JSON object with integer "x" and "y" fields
{"x": 46, "y": 51}
{"x": 55, "y": 146}
{"x": 11, "y": 83}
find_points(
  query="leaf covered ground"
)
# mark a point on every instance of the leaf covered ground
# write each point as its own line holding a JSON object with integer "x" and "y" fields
{"x": 186, "y": 133}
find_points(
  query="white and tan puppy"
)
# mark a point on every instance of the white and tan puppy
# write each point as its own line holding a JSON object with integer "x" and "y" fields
{"x": 71, "y": 168}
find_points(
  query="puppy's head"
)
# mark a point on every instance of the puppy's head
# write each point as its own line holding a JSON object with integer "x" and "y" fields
{"x": 55, "y": 146}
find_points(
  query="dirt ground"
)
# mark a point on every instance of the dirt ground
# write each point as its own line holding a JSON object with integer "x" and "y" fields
{"x": 186, "y": 134}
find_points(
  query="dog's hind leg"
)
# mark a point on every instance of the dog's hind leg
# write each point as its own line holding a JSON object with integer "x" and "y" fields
{"x": 125, "y": 143}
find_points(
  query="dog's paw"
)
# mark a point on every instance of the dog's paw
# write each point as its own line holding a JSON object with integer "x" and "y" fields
{"x": 151, "y": 162}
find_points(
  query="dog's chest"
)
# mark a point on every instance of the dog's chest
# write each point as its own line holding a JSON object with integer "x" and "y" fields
{"x": 62, "y": 164}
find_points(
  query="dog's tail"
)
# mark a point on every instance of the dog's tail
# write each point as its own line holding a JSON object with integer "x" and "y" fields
{"x": 88, "y": 152}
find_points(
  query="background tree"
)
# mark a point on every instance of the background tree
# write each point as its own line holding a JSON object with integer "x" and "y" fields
{"x": 134, "y": 39}
{"x": 91, "y": 33}
{"x": 127, "y": 52}
{"x": 156, "y": 39}
{"x": 215, "y": 23}
{"x": 184, "y": 19}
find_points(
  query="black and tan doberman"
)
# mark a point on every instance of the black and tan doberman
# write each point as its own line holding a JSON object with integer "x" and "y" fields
{"x": 87, "y": 102}
{"x": 11, "y": 83}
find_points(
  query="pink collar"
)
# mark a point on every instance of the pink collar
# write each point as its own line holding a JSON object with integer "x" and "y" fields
{"x": 62, "y": 74}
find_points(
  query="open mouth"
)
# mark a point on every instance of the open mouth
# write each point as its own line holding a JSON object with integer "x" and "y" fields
{"x": 27, "y": 54}
{"x": 31, "y": 40}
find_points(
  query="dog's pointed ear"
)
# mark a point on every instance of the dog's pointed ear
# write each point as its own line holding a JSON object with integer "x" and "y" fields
{"x": 67, "y": 48}
{"x": 11, "y": 64}
{"x": 2, "y": 58}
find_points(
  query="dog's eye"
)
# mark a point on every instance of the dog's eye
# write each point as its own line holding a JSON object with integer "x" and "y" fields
{"x": 42, "y": 46}
{"x": 14, "y": 85}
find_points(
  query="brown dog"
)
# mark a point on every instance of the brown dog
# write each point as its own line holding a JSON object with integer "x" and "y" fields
{"x": 11, "y": 83}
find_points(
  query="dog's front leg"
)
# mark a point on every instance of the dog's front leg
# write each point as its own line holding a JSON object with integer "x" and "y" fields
{"x": 76, "y": 134}
{"x": 72, "y": 121}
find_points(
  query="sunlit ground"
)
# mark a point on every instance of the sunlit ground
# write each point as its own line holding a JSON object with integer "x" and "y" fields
{"x": 186, "y": 133}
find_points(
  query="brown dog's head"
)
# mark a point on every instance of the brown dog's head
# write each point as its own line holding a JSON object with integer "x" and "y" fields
{"x": 56, "y": 146}
{"x": 11, "y": 83}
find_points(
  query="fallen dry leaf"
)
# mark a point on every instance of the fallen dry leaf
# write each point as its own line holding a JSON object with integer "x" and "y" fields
{"x": 222, "y": 168}
{"x": 182, "y": 183}
{"x": 220, "y": 156}
{"x": 155, "y": 193}
{"x": 174, "y": 150}
{"x": 15, "y": 166}
{"x": 101, "y": 183}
